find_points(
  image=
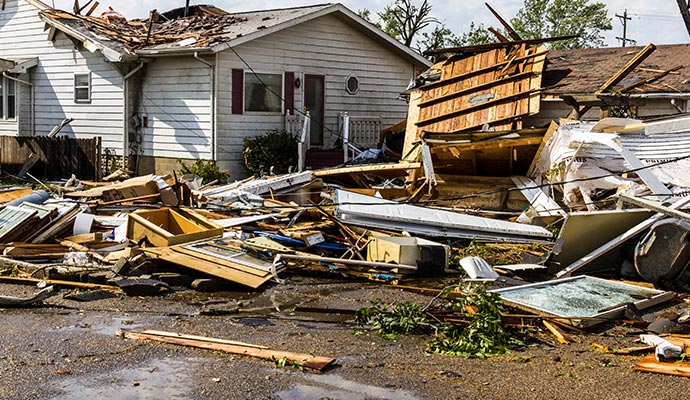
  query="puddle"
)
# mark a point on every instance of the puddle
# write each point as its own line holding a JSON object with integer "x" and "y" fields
{"x": 335, "y": 387}
{"x": 103, "y": 325}
{"x": 159, "y": 379}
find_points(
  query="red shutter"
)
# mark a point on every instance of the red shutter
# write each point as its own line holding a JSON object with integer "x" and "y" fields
{"x": 289, "y": 93}
{"x": 237, "y": 91}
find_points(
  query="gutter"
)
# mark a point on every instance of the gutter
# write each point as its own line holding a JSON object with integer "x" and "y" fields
{"x": 214, "y": 82}
{"x": 31, "y": 85}
{"x": 125, "y": 130}
{"x": 173, "y": 51}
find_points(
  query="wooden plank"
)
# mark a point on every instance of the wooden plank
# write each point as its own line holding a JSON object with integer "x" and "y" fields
{"x": 83, "y": 285}
{"x": 298, "y": 359}
{"x": 401, "y": 166}
{"x": 201, "y": 338}
{"x": 650, "y": 364}
{"x": 561, "y": 336}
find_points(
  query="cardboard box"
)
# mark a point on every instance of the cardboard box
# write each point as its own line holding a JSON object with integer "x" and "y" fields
{"x": 431, "y": 258}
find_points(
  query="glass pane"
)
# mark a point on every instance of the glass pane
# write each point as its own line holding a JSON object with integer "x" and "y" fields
{"x": 11, "y": 107}
{"x": 262, "y": 92}
{"x": 81, "y": 94}
{"x": 10, "y": 87}
{"x": 81, "y": 80}
{"x": 313, "y": 101}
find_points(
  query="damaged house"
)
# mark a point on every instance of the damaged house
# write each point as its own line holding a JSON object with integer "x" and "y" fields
{"x": 193, "y": 87}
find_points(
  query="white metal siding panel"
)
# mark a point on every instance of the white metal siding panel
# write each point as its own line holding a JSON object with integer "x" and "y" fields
{"x": 177, "y": 102}
{"x": 324, "y": 46}
{"x": 22, "y": 36}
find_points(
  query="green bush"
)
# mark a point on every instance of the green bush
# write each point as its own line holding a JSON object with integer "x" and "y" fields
{"x": 275, "y": 149}
{"x": 205, "y": 169}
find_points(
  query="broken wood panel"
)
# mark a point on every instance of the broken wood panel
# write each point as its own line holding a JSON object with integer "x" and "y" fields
{"x": 493, "y": 96}
{"x": 208, "y": 267}
{"x": 58, "y": 157}
{"x": 650, "y": 364}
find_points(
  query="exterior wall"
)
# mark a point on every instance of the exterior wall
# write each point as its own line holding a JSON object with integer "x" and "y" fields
{"x": 177, "y": 109}
{"x": 22, "y": 36}
{"x": 324, "y": 46}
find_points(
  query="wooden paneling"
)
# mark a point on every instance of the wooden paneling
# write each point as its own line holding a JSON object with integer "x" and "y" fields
{"x": 59, "y": 157}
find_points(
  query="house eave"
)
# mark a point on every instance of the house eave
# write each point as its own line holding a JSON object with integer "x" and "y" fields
{"x": 110, "y": 54}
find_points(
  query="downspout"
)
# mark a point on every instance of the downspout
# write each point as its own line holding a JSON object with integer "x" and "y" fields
{"x": 31, "y": 85}
{"x": 213, "y": 84}
{"x": 125, "y": 133}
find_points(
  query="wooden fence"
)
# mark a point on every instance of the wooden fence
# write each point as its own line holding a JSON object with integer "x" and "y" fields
{"x": 58, "y": 157}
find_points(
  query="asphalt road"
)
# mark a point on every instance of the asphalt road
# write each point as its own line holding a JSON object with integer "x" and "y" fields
{"x": 71, "y": 350}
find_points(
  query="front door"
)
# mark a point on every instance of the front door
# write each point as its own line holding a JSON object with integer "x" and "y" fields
{"x": 314, "y": 103}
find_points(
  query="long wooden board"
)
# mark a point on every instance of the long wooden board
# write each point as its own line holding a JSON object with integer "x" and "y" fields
{"x": 304, "y": 360}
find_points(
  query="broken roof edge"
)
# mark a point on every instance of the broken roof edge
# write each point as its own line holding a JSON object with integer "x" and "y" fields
{"x": 333, "y": 8}
{"x": 110, "y": 54}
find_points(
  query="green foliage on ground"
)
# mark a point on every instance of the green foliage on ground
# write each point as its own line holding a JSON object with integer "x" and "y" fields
{"x": 206, "y": 169}
{"x": 476, "y": 334}
{"x": 276, "y": 150}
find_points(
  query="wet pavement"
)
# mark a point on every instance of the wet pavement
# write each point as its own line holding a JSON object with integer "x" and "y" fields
{"x": 72, "y": 350}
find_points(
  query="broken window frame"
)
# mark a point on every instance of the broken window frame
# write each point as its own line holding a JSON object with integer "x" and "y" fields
{"x": 8, "y": 99}
{"x": 251, "y": 82}
{"x": 80, "y": 88}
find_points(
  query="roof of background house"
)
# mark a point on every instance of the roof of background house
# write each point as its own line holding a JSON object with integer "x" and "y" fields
{"x": 583, "y": 71}
{"x": 206, "y": 28}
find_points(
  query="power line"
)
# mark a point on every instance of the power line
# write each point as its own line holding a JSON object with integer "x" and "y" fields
{"x": 624, "y": 20}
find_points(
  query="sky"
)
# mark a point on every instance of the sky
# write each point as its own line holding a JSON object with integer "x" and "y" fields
{"x": 657, "y": 22}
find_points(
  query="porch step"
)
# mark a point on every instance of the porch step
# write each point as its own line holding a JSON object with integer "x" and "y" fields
{"x": 317, "y": 158}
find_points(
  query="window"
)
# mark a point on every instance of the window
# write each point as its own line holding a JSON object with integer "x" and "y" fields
{"x": 82, "y": 88}
{"x": 263, "y": 92}
{"x": 352, "y": 85}
{"x": 8, "y": 103}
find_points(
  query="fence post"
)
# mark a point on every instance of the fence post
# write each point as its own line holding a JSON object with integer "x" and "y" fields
{"x": 346, "y": 136}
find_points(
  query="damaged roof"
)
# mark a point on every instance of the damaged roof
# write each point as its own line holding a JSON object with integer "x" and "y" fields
{"x": 205, "y": 28}
{"x": 583, "y": 71}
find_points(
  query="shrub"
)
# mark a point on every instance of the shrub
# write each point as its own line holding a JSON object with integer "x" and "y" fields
{"x": 275, "y": 149}
{"x": 205, "y": 169}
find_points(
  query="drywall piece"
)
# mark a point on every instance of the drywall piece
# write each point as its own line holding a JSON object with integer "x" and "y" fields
{"x": 370, "y": 211}
{"x": 583, "y": 300}
{"x": 617, "y": 241}
{"x": 584, "y": 232}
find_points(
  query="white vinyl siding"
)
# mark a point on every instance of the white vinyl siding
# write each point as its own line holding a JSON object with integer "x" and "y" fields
{"x": 324, "y": 46}
{"x": 22, "y": 36}
{"x": 177, "y": 103}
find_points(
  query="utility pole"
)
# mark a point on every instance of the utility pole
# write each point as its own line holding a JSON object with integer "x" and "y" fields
{"x": 683, "y": 5}
{"x": 624, "y": 20}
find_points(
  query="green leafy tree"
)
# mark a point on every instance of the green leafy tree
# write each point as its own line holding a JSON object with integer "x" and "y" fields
{"x": 477, "y": 34}
{"x": 549, "y": 18}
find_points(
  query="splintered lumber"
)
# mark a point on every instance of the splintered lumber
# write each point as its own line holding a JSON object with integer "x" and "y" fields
{"x": 650, "y": 364}
{"x": 201, "y": 338}
{"x": 561, "y": 336}
{"x": 298, "y": 359}
{"x": 33, "y": 281}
